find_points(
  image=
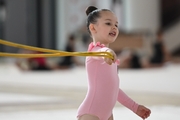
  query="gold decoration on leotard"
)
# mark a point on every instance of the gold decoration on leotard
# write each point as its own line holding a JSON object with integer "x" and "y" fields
{"x": 47, "y": 52}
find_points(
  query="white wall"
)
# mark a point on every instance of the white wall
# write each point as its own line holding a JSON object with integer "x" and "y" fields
{"x": 141, "y": 14}
{"x": 106, "y": 4}
{"x": 172, "y": 37}
{"x": 70, "y": 17}
{"x": 61, "y": 28}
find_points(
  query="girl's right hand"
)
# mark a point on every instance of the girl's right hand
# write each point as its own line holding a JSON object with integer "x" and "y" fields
{"x": 109, "y": 60}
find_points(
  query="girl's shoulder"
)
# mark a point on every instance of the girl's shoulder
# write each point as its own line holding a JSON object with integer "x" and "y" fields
{"x": 95, "y": 46}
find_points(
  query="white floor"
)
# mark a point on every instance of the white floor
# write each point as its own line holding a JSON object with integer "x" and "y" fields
{"x": 158, "y": 113}
{"x": 161, "y": 80}
{"x": 164, "y": 80}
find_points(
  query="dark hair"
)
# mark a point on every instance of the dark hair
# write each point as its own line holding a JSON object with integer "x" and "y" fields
{"x": 92, "y": 15}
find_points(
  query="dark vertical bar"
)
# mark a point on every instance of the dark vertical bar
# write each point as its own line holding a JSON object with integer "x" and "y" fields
{"x": 15, "y": 28}
{"x": 2, "y": 21}
{"x": 53, "y": 23}
{"x": 48, "y": 27}
{"x": 39, "y": 25}
{"x": 32, "y": 22}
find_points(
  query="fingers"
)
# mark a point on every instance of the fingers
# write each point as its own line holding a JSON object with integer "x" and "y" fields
{"x": 108, "y": 61}
{"x": 145, "y": 113}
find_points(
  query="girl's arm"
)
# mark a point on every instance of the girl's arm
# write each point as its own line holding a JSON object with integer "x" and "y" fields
{"x": 127, "y": 101}
{"x": 140, "y": 110}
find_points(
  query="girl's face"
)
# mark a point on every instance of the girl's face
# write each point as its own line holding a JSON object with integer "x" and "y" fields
{"x": 106, "y": 28}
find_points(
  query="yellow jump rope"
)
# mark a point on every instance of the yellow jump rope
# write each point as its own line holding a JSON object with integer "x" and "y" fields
{"x": 47, "y": 52}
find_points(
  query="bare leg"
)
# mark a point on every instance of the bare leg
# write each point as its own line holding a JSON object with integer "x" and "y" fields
{"x": 88, "y": 117}
{"x": 111, "y": 118}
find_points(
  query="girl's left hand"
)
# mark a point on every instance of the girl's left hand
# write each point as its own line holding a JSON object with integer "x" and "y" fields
{"x": 108, "y": 60}
{"x": 143, "y": 112}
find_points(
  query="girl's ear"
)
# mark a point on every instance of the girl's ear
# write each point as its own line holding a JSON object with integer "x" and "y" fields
{"x": 92, "y": 28}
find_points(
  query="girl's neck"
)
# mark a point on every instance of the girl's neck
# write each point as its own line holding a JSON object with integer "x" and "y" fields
{"x": 95, "y": 41}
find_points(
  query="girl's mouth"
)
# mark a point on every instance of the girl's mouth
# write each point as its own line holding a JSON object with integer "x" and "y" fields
{"x": 113, "y": 34}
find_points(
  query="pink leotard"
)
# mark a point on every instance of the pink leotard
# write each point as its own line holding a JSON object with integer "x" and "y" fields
{"x": 103, "y": 88}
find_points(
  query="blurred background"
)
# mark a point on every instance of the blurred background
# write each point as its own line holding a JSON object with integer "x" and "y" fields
{"x": 148, "y": 47}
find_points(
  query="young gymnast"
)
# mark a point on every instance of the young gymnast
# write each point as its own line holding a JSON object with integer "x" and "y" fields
{"x": 103, "y": 81}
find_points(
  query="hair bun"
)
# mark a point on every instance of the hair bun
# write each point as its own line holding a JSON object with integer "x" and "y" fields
{"x": 90, "y": 9}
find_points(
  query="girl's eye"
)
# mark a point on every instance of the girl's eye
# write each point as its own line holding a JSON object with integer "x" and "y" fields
{"x": 108, "y": 23}
{"x": 116, "y": 25}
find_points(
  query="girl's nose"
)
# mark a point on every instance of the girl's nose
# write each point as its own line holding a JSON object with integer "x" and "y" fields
{"x": 114, "y": 27}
